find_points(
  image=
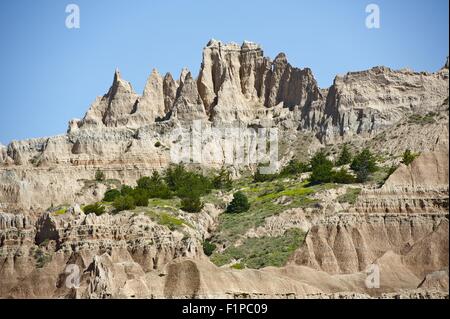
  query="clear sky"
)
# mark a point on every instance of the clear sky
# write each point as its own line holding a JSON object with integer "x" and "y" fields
{"x": 50, "y": 74}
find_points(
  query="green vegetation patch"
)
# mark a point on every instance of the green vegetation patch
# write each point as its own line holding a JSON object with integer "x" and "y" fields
{"x": 60, "y": 211}
{"x": 168, "y": 204}
{"x": 239, "y": 204}
{"x": 262, "y": 198}
{"x": 408, "y": 157}
{"x": 238, "y": 266}
{"x": 42, "y": 258}
{"x": 299, "y": 190}
{"x": 97, "y": 209}
{"x": 262, "y": 252}
{"x": 428, "y": 118}
{"x": 208, "y": 247}
{"x": 350, "y": 196}
{"x": 165, "y": 219}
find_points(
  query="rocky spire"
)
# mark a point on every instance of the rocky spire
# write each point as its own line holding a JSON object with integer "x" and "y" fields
{"x": 188, "y": 105}
{"x": 120, "y": 100}
{"x": 170, "y": 92}
{"x": 183, "y": 74}
{"x": 151, "y": 104}
{"x": 112, "y": 108}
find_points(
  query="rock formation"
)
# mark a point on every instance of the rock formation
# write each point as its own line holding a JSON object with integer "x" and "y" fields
{"x": 188, "y": 105}
{"x": 401, "y": 226}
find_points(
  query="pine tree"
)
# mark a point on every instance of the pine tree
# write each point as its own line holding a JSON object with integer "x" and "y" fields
{"x": 363, "y": 165}
{"x": 239, "y": 204}
{"x": 345, "y": 157}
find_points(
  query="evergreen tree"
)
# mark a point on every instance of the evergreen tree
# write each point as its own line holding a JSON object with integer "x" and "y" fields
{"x": 345, "y": 157}
{"x": 191, "y": 204}
{"x": 239, "y": 203}
{"x": 111, "y": 195}
{"x": 322, "y": 169}
{"x": 124, "y": 203}
{"x": 223, "y": 180}
{"x": 364, "y": 164}
{"x": 408, "y": 157}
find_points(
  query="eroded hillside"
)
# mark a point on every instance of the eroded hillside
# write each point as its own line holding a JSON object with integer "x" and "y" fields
{"x": 304, "y": 234}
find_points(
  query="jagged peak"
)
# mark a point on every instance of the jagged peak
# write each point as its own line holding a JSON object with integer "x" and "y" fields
{"x": 154, "y": 75}
{"x": 213, "y": 43}
{"x": 183, "y": 74}
{"x": 120, "y": 84}
{"x": 281, "y": 58}
{"x": 168, "y": 77}
{"x": 155, "y": 72}
{"x": 153, "y": 82}
{"x": 117, "y": 76}
{"x": 187, "y": 76}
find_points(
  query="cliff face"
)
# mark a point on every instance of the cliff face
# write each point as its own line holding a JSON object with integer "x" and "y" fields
{"x": 369, "y": 101}
{"x": 350, "y": 243}
{"x": 38, "y": 250}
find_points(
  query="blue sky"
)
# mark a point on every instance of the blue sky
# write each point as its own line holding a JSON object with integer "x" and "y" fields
{"x": 51, "y": 74}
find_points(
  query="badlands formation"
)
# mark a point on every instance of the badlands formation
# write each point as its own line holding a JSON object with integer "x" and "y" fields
{"x": 399, "y": 225}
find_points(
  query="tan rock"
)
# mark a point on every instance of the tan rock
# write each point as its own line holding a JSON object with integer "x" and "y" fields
{"x": 188, "y": 105}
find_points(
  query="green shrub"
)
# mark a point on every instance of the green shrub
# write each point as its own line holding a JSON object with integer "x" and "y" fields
{"x": 321, "y": 174}
{"x": 294, "y": 167}
{"x": 258, "y": 177}
{"x": 193, "y": 185}
{"x": 174, "y": 176}
{"x": 408, "y": 157}
{"x": 223, "y": 180}
{"x": 191, "y": 204}
{"x": 99, "y": 176}
{"x": 144, "y": 182}
{"x": 111, "y": 195}
{"x": 208, "y": 248}
{"x": 96, "y": 209}
{"x": 343, "y": 176}
{"x": 239, "y": 204}
{"x": 148, "y": 183}
{"x": 126, "y": 190}
{"x": 345, "y": 157}
{"x": 319, "y": 159}
{"x": 158, "y": 144}
{"x": 187, "y": 184}
{"x": 162, "y": 192}
{"x": 140, "y": 197}
{"x": 322, "y": 169}
{"x": 154, "y": 186}
{"x": 122, "y": 203}
{"x": 364, "y": 164}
